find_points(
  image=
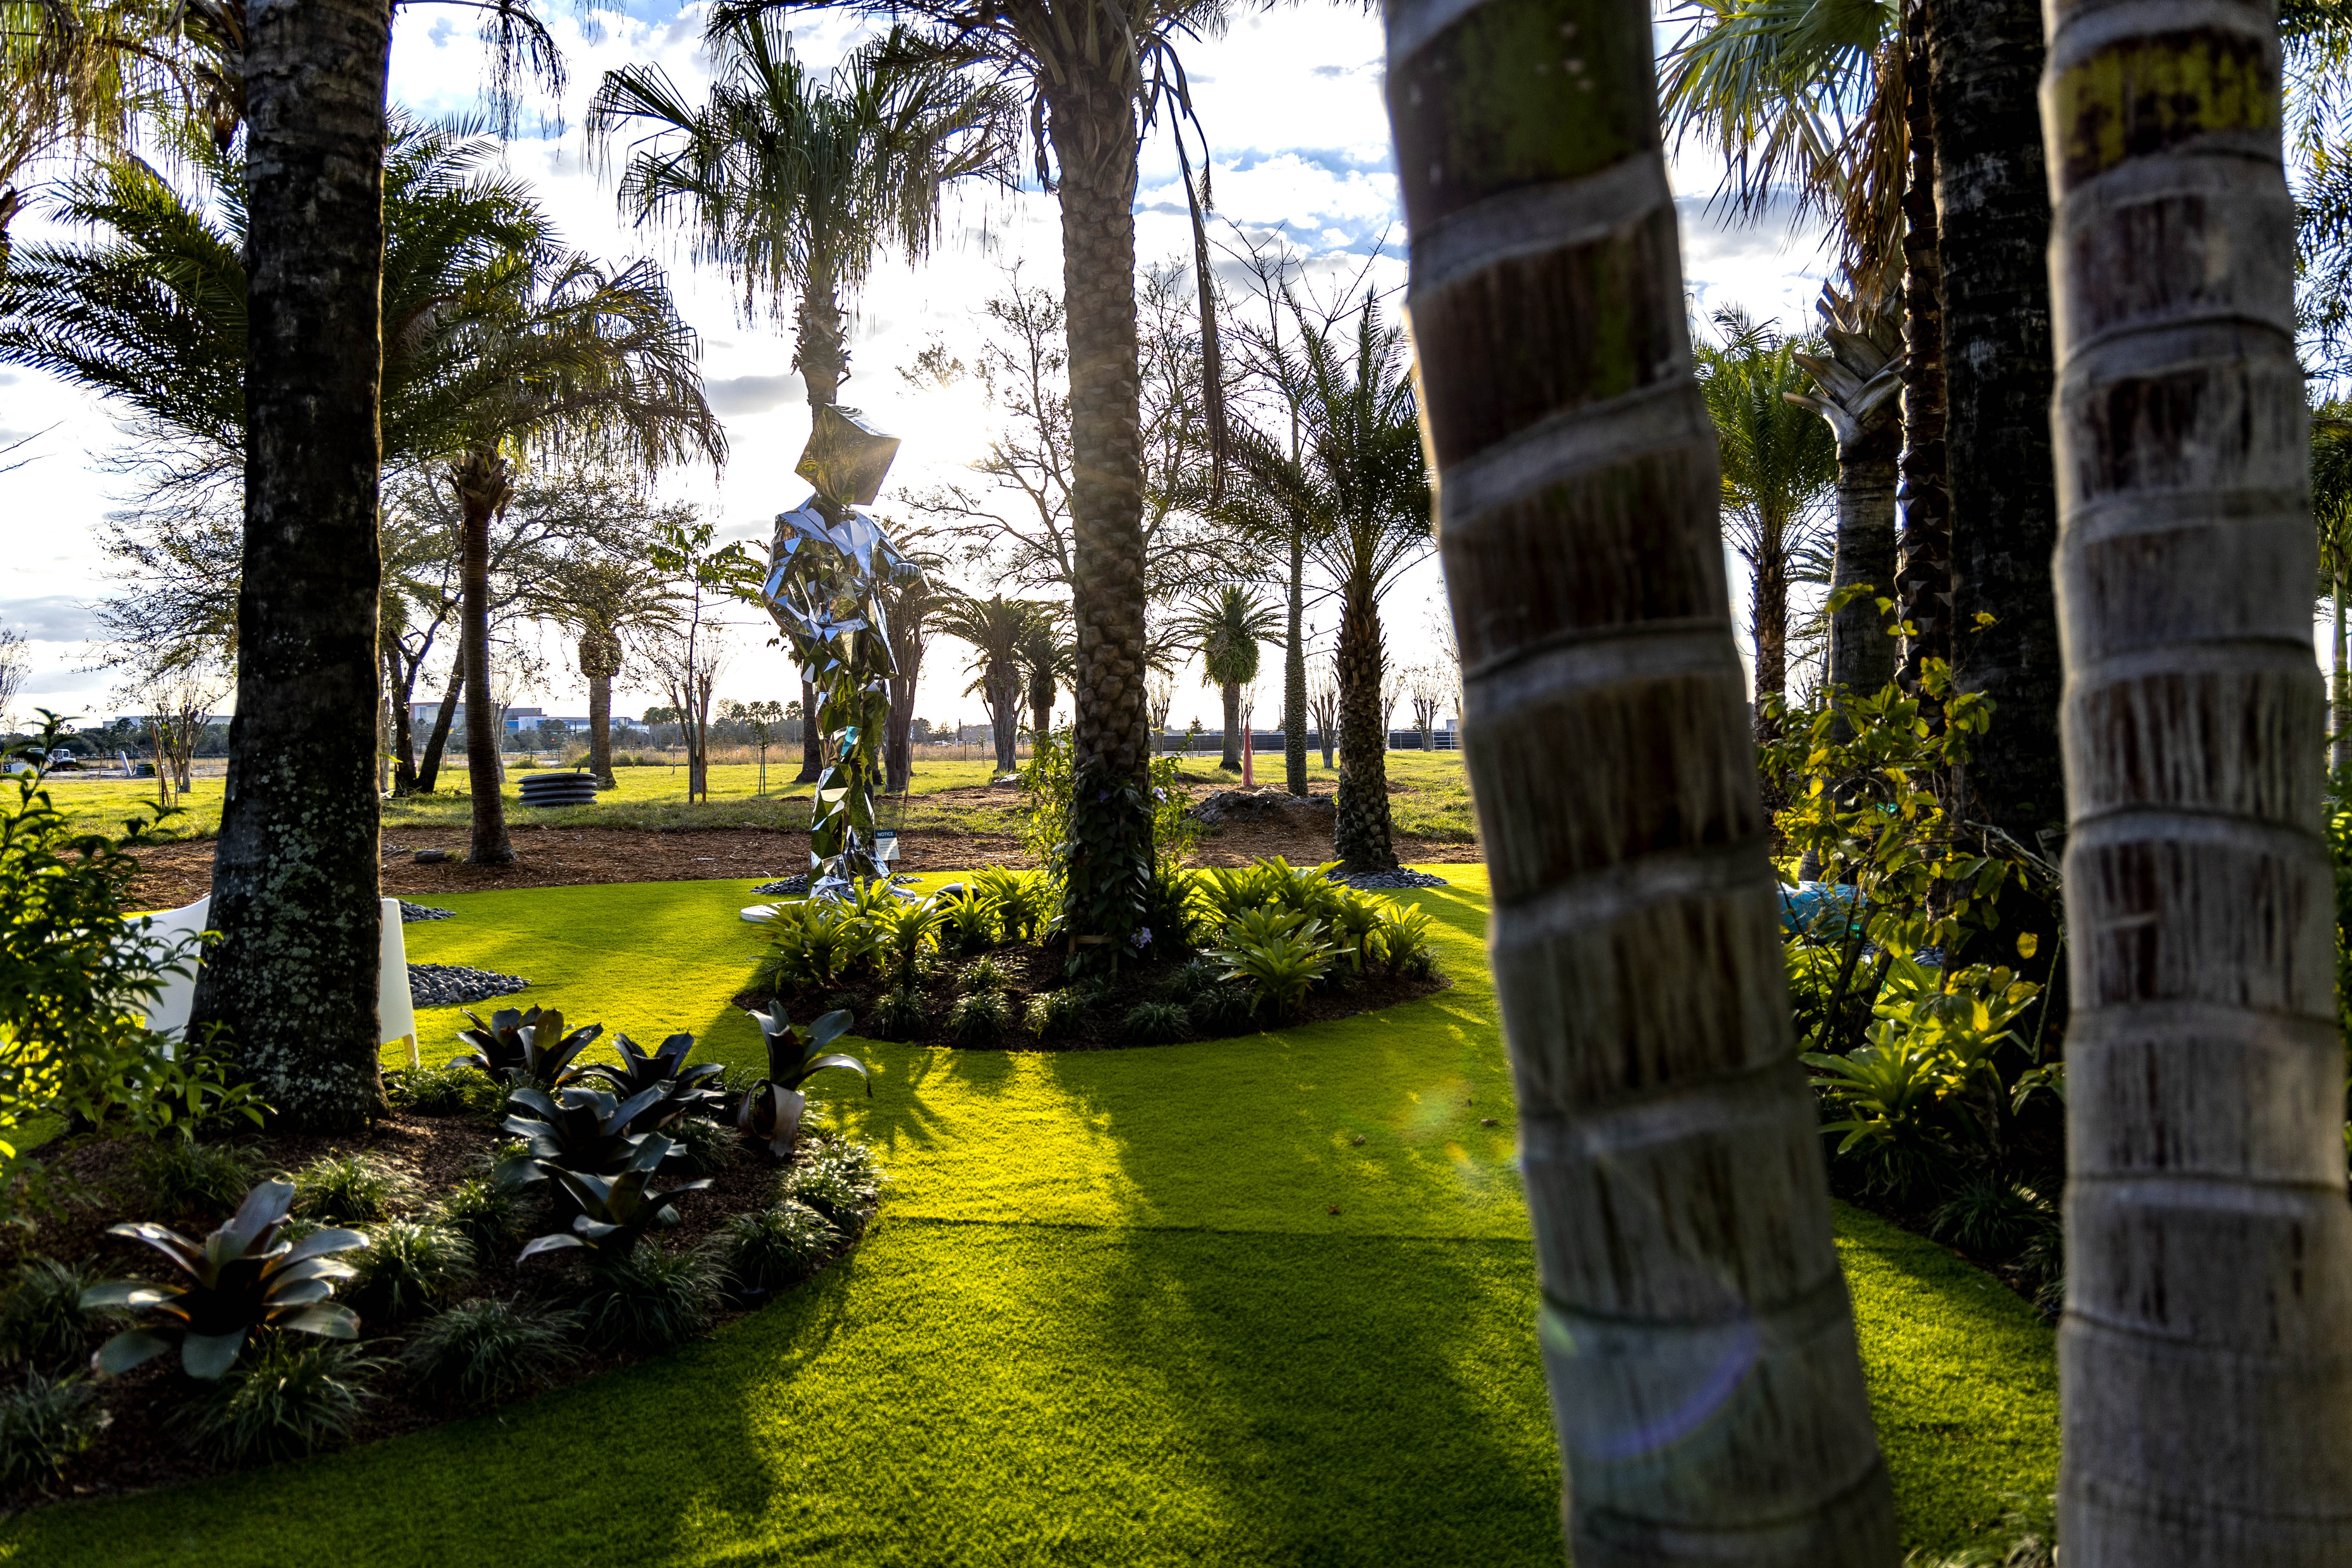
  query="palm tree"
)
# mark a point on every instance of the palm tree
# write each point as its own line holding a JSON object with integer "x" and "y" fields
{"x": 1776, "y": 463}
{"x": 995, "y": 627}
{"x": 600, "y": 596}
{"x": 1045, "y": 664}
{"x": 2331, "y": 506}
{"x": 1226, "y": 629}
{"x": 2205, "y": 1359}
{"x": 912, "y": 605}
{"x": 1858, "y": 379}
{"x": 1671, "y": 1151}
{"x": 1363, "y": 482}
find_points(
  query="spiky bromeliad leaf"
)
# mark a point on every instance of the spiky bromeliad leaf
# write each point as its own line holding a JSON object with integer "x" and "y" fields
{"x": 581, "y": 1129}
{"x": 239, "y": 1278}
{"x": 614, "y": 1212}
{"x": 683, "y": 1088}
{"x": 771, "y": 1111}
{"x": 526, "y": 1048}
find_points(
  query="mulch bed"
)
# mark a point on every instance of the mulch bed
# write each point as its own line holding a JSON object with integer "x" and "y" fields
{"x": 139, "y": 1449}
{"x": 1032, "y": 970}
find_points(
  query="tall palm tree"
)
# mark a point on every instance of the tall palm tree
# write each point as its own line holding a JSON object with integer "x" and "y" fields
{"x": 1363, "y": 481}
{"x": 600, "y": 594}
{"x": 1044, "y": 665}
{"x": 912, "y": 605}
{"x": 2205, "y": 1359}
{"x": 1226, "y": 629}
{"x": 1857, "y": 379}
{"x": 1777, "y": 462}
{"x": 1706, "y": 1389}
{"x": 995, "y": 627}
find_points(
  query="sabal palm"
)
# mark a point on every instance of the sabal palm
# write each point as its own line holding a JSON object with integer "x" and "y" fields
{"x": 1227, "y": 628}
{"x": 995, "y": 627}
{"x": 1361, "y": 475}
{"x": 1044, "y": 665}
{"x": 599, "y": 595}
{"x": 1777, "y": 462}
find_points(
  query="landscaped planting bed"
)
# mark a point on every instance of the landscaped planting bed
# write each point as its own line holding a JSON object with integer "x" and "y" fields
{"x": 515, "y": 1224}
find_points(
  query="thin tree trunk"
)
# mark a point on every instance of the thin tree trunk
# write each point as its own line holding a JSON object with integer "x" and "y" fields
{"x": 1360, "y": 831}
{"x": 1861, "y": 656}
{"x": 1769, "y": 623}
{"x": 1923, "y": 578}
{"x": 482, "y": 480}
{"x": 812, "y": 741}
{"x": 898, "y": 740}
{"x": 402, "y": 676}
{"x": 1004, "y": 719}
{"x": 1106, "y": 881}
{"x": 1230, "y": 693}
{"x": 1670, "y": 1150}
{"x": 1294, "y": 672}
{"x": 2205, "y": 1360}
{"x": 2340, "y": 687}
{"x": 295, "y": 878}
{"x": 428, "y": 767}
{"x": 1992, "y": 207}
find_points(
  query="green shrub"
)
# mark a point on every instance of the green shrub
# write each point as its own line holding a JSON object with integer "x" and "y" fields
{"x": 812, "y": 943}
{"x": 648, "y": 1299}
{"x": 443, "y": 1091}
{"x": 900, "y": 1014}
{"x": 1055, "y": 1014}
{"x": 775, "y": 1247}
{"x": 481, "y": 1211}
{"x": 981, "y": 1019}
{"x": 838, "y": 1178}
{"x": 1223, "y": 1010}
{"x": 1170, "y": 913}
{"x": 1021, "y": 900}
{"x": 982, "y": 974}
{"x": 406, "y": 1266}
{"x": 1157, "y": 1022}
{"x": 44, "y": 1424}
{"x": 610, "y": 1215}
{"x": 776, "y": 1109}
{"x": 43, "y": 1324}
{"x": 186, "y": 1179}
{"x": 1279, "y": 958}
{"x": 1991, "y": 1217}
{"x": 487, "y": 1350}
{"x": 704, "y": 1147}
{"x": 1190, "y": 979}
{"x": 281, "y": 1399}
{"x": 906, "y": 932}
{"x": 345, "y": 1189}
{"x": 973, "y": 923}
{"x": 1359, "y": 923}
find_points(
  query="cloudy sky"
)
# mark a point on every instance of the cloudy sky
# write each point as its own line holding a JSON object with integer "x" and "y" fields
{"x": 1289, "y": 101}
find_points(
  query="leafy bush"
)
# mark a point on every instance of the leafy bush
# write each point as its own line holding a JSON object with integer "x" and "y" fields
{"x": 186, "y": 1179}
{"x": 1054, "y": 1015}
{"x": 972, "y": 926}
{"x": 704, "y": 1147}
{"x": 1190, "y": 979}
{"x": 287, "y": 1398}
{"x": 1991, "y": 1217}
{"x": 1223, "y": 1010}
{"x": 487, "y": 1350}
{"x": 526, "y": 1050}
{"x": 580, "y": 1129}
{"x": 1358, "y": 924}
{"x": 1169, "y": 912}
{"x": 344, "y": 1189}
{"x": 1020, "y": 899}
{"x": 406, "y": 1265}
{"x": 650, "y": 1300}
{"x": 812, "y": 943}
{"x": 1280, "y": 968}
{"x": 905, "y": 932}
{"x": 838, "y": 1179}
{"x": 240, "y": 1281}
{"x": 44, "y": 1424}
{"x": 982, "y": 974}
{"x": 611, "y": 1213}
{"x": 772, "y": 1111}
{"x": 43, "y": 1324}
{"x": 455, "y": 1090}
{"x": 774, "y": 1247}
{"x": 1157, "y": 1022}
{"x": 1404, "y": 937}
{"x": 483, "y": 1211}
{"x": 900, "y": 1014}
{"x": 684, "y": 1088}
{"x": 981, "y": 1019}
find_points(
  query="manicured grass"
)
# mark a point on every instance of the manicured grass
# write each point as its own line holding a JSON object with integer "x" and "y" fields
{"x": 1108, "y": 1316}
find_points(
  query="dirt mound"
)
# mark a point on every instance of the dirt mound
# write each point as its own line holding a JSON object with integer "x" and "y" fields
{"x": 1224, "y": 806}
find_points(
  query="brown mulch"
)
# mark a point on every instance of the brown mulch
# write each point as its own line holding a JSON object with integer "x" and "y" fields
{"x": 1032, "y": 970}
{"x": 139, "y": 1447}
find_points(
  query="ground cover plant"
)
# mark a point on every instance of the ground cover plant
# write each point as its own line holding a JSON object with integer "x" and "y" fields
{"x": 467, "y": 1248}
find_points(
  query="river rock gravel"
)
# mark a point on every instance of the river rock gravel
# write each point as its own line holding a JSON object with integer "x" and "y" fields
{"x": 454, "y": 985}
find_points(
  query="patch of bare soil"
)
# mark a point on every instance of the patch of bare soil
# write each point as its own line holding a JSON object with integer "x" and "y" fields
{"x": 140, "y": 1446}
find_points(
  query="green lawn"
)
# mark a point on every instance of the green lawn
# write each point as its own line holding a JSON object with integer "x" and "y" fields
{"x": 1108, "y": 1316}
{"x": 1436, "y": 806}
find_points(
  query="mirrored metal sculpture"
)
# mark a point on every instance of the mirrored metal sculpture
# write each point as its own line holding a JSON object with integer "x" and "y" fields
{"x": 827, "y": 570}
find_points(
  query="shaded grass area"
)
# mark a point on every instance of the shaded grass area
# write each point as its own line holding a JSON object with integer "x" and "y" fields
{"x": 1436, "y": 807}
{"x": 1108, "y": 1316}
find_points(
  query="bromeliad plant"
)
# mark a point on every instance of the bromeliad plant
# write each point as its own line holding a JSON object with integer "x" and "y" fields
{"x": 526, "y": 1050}
{"x": 1281, "y": 965}
{"x": 683, "y": 1089}
{"x": 611, "y": 1213}
{"x": 583, "y": 1130}
{"x": 240, "y": 1279}
{"x": 813, "y": 944}
{"x": 771, "y": 1111}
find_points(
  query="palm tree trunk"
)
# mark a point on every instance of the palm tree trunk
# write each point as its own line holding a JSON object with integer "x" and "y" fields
{"x": 294, "y": 878}
{"x": 2339, "y": 686}
{"x": 600, "y": 730}
{"x": 822, "y": 360}
{"x": 898, "y": 739}
{"x": 811, "y": 742}
{"x": 428, "y": 767}
{"x": 1231, "y": 693}
{"x": 1106, "y": 879}
{"x": 1861, "y": 656}
{"x": 483, "y": 484}
{"x": 1769, "y": 622}
{"x": 1992, "y": 206}
{"x": 1294, "y": 672}
{"x": 2205, "y": 1360}
{"x": 1004, "y": 717}
{"x": 1360, "y": 832}
{"x": 1670, "y": 1150}
{"x": 1923, "y": 577}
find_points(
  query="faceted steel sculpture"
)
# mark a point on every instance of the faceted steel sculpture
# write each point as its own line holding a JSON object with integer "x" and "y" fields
{"x": 826, "y": 569}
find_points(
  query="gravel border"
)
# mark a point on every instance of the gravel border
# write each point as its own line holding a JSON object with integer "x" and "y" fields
{"x": 411, "y": 913}
{"x": 1402, "y": 876}
{"x": 454, "y": 984}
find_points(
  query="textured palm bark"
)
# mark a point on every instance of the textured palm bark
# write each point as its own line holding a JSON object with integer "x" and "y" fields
{"x": 1230, "y": 694}
{"x": 428, "y": 767}
{"x": 1004, "y": 717}
{"x": 812, "y": 747}
{"x": 1362, "y": 834}
{"x": 1768, "y": 630}
{"x": 1861, "y": 656}
{"x": 1695, "y": 1330}
{"x": 2205, "y": 1360}
{"x": 295, "y": 883}
{"x": 2339, "y": 686}
{"x": 1041, "y": 703}
{"x": 484, "y": 484}
{"x": 1923, "y": 576}
{"x": 1992, "y": 205}
{"x": 1294, "y": 673}
{"x": 1092, "y": 120}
